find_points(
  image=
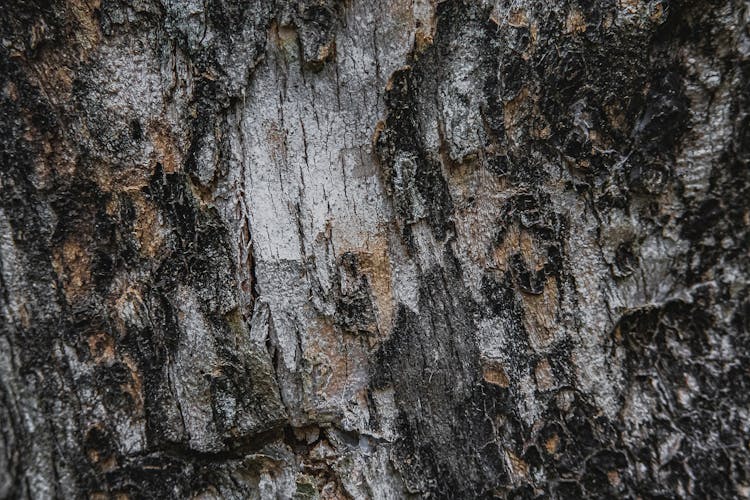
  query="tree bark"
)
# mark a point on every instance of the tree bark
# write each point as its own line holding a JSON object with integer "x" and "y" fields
{"x": 374, "y": 249}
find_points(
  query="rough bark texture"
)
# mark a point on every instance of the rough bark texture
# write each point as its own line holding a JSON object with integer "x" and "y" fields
{"x": 374, "y": 249}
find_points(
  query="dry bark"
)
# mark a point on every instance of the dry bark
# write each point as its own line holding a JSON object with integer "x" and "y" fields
{"x": 374, "y": 249}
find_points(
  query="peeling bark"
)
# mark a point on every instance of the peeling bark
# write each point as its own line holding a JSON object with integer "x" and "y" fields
{"x": 374, "y": 249}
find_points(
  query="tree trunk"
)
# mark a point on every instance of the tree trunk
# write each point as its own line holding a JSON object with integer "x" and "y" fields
{"x": 374, "y": 249}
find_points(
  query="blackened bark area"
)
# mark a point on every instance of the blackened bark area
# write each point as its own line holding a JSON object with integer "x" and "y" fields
{"x": 567, "y": 181}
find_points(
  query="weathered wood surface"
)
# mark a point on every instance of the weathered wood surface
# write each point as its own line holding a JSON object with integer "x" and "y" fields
{"x": 374, "y": 249}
